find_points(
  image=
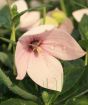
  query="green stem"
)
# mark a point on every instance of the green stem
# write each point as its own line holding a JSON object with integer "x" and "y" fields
{"x": 50, "y": 100}
{"x": 62, "y": 4}
{"x": 44, "y": 15}
{"x": 78, "y": 4}
{"x": 7, "y": 40}
{"x": 31, "y": 9}
{"x": 81, "y": 94}
{"x": 86, "y": 58}
{"x": 14, "y": 88}
{"x": 53, "y": 98}
{"x": 12, "y": 37}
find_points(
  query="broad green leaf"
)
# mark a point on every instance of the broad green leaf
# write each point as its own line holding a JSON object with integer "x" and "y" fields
{"x": 83, "y": 27}
{"x": 79, "y": 89}
{"x": 28, "y": 85}
{"x": 83, "y": 83}
{"x": 76, "y": 34}
{"x": 14, "y": 88}
{"x": 78, "y": 101}
{"x": 13, "y": 101}
{"x": 5, "y": 18}
{"x": 84, "y": 44}
{"x": 6, "y": 59}
{"x": 72, "y": 73}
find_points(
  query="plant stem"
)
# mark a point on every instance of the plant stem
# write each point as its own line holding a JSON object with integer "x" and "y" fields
{"x": 12, "y": 37}
{"x": 81, "y": 94}
{"x": 44, "y": 15}
{"x": 86, "y": 58}
{"x": 14, "y": 88}
{"x": 78, "y": 4}
{"x": 63, "y": 7}
{"x": 7, "y": 40}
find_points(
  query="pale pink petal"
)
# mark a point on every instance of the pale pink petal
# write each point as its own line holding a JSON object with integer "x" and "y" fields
{"x": 28, "y": 19}
{"x": 46, "y": 71}
{"x": 21, "y": 61}
{"x": 21, "y": 5}
{"x": 67, "y": 25}
{"x": 36, "y": 24}
{"x": 61, "y": 45}
{"x": 38, "y": 30}
{"x": 78, "y": 14}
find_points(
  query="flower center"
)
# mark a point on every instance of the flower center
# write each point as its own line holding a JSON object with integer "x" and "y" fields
{"x": 34, "y": 44}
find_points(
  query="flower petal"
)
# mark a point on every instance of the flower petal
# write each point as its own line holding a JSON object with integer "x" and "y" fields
{"x": 61, "y": 45}
{"x": 21, "y": 61}
{"x": 67, "y": 25}
{"x": 46, "y": 71}
{"x": 21, "y": 5}
{"x": 28, "y": 19}
{"x": 37, "y": 33}
{"x": 38, "y": 30}
{"x": 78, "y": 14}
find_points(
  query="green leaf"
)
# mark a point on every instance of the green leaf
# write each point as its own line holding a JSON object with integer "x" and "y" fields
{"x": 7, "y": 40}
{"x": 79, "y": 101}
{"x": 84, "y": 44}
{"x": 13, "y": 101}
{"x": 5, "y": 17}
{"x": 83, "y": 83}
{"x": 6, "y": 59}
{"x": 83, "y": 27}
{"x": 14, "y": 88}
{"x": 79, "y": 89}
{"x": 73, "y": 71}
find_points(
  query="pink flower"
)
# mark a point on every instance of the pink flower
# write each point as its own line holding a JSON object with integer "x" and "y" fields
{"x": 37, "y": 51}
{"x": 28, "y": 19}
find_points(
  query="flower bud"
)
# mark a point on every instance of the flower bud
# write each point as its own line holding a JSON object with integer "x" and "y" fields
{"x": 49, "y": 20}
{"x": 58, "y": 15}
{"x": 45, "y": 97}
